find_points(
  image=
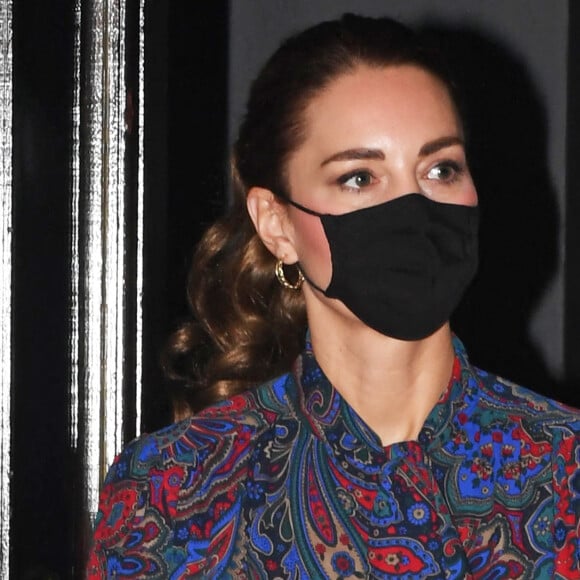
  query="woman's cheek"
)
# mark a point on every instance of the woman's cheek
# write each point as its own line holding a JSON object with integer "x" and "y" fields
{"x": 313, "y": 249}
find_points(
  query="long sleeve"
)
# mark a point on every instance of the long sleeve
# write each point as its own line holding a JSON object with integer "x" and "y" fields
{"x": 566, "y": 489}
{"x": 171, "y": 501}
{"x": 133, "y": 526}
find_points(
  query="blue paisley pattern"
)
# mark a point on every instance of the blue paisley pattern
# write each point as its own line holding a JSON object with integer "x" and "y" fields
{"x": 286, "y": 481}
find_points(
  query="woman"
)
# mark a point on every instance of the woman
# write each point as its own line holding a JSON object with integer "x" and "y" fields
{"x": 371, "y": 448}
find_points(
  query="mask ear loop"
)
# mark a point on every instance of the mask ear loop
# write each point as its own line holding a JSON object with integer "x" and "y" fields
{"x": 301, "y": 275}
{"x": 279, "y": 265}
{"x": 287, "y": 199}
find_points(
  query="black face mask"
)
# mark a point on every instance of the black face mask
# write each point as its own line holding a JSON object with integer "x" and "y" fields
{"x": 402, "y": 266}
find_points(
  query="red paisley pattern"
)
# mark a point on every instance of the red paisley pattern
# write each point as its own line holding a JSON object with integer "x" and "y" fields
{"x": 286, "y": 481}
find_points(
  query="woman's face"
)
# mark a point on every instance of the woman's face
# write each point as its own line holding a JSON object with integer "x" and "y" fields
{"x": 372, "y": 136}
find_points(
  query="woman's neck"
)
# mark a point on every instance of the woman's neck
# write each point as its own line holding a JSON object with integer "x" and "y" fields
{"x": 392, "y": 384}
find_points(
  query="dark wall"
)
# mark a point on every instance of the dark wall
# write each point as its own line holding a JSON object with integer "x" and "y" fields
{"x": 41, "y": 462}
{"x": 185, "y": 159}
{"x": 572, "y": 321}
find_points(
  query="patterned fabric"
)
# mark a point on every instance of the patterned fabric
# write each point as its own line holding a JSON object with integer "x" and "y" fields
{"x": 287, "y": 481}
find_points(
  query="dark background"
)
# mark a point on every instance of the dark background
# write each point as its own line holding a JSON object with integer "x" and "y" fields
{"x": 186, "y": 137}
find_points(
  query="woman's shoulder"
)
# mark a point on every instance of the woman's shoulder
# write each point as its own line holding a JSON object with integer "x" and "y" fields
{"x": 541, "y": 413}
{"x": 224, "y": 429}
{"x": 191, "y": 441}
{"x": 179, "y": 469}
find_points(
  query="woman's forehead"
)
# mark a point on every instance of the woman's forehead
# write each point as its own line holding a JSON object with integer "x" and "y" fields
{"x": 373, "y": 106}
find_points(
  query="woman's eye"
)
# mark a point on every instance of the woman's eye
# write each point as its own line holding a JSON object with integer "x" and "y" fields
{"x": 448, "y": 171}
{"x": 356, "y": 180}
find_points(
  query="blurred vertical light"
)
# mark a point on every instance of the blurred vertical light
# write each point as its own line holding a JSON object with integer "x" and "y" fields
{"x": 74, "y": 335}
{"x": 100, "y": 242}
{"x": 140, "y": 222}
{"x": 5, "y": 277}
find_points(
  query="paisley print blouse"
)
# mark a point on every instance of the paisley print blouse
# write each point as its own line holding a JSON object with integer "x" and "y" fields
{"x": 286, "y": 481}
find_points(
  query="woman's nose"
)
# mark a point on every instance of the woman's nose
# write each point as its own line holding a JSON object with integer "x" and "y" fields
{"x": 405, "y": 184}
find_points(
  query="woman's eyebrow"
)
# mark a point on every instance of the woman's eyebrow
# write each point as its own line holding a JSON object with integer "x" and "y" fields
{"x": 437, "y": 144}
{"x": 364, "y": 153}
{"x": 351, "y": 154}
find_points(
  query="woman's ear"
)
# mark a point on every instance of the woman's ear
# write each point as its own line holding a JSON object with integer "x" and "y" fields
{"x": 270, "y": 218}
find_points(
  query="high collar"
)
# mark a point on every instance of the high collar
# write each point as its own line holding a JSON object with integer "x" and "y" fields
{"x": 332, "y": 418}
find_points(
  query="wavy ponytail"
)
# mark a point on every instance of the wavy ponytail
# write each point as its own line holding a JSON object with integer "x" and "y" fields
{"x": 246, "y": 328}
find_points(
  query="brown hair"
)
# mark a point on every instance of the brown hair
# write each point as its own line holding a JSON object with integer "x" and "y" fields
{"x": 246, "y": 327}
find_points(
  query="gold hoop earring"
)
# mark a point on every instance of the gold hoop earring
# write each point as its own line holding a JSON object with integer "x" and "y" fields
{"x": 282, "y": 277}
